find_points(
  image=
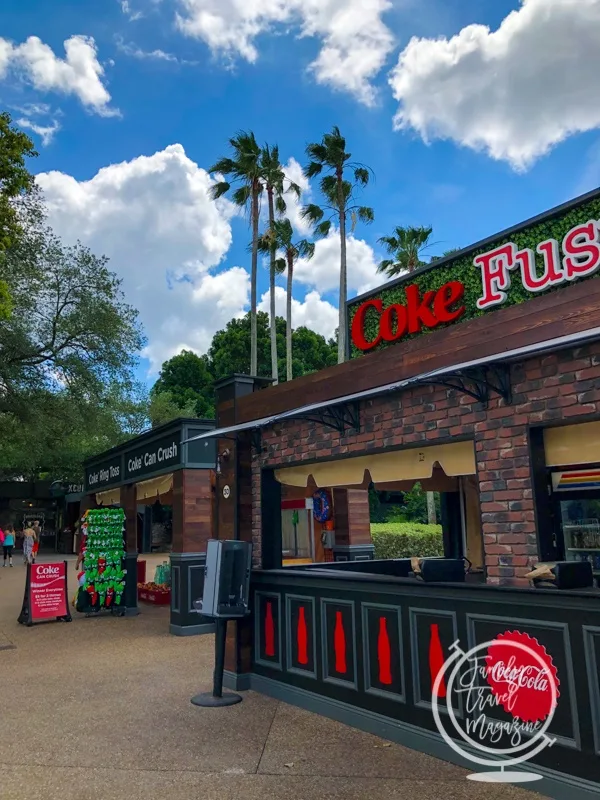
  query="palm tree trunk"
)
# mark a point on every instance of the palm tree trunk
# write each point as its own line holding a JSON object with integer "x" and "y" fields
{"x": 288, "y": 318}
{"x": 431, "y": 516}
{"x": 253, "y": 281}
{"x": 274, "y": 366}
{"x": 342, "y": 333}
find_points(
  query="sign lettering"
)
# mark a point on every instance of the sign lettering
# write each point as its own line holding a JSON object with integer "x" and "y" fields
{"x": 48, "y": 591}
{"x": 154, "y": 456}
{"x": 581, "y": 257}
{"x": 397, "y": 320}
{"x": 551, "y": 264}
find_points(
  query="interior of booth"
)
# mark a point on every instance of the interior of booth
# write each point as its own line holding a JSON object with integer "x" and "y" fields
{"x": 154, "y": 500}
{"x": 448, "y": 470}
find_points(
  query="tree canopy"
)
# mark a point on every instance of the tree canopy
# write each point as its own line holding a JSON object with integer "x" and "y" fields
{"x": 67, "y": 355}
{"x": 186, "y": 381}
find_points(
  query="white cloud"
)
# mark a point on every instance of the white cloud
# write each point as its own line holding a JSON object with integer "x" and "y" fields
{"x": 355, "y": 42}
{"x": 315, "y": 313}
{"x": 323, "y": 269}
{"x": 131, "y": 49}
{"x": 45, "y": 132}
{"x": 131, "y": 15}
{"x": 154, "y": 218}
{"x": 79, "y": 73}
{"x": 514, "y": 92}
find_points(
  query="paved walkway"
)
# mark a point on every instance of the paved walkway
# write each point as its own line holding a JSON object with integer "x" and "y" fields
{"x": 100, "y": 710}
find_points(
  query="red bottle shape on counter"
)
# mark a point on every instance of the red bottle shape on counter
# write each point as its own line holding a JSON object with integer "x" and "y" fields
{"x": 302, "y": 637}
{"x": 436, "y": 659}
{"x": 384, "y": 653}
{"x": 339, "y": 644}
{"x": 269, "y": 631}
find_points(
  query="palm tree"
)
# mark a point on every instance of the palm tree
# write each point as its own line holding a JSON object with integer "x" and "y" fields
{"x": 406, "y": 247}
{"x": 280, "y": 236}
{"x": 244, "y": 170}
{"x": 276, "y": 184}
{"x": 330, "y": 155}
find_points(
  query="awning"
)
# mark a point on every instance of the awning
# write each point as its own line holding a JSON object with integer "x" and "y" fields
{"x": 518, "y": 353}
{"x": 572, "y": 444}
{"x": 154, "y": 487}
{"x": 412, "y": 464}
{"x": 112, "y": 497}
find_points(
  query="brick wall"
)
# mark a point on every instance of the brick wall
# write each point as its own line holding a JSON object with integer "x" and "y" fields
{"x": 562, "y": 386}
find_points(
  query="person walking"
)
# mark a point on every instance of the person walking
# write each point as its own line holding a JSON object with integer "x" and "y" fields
{"x": 7, "y": 545}
{"x": 28, "y": 542}
{"x": 36, "y": 545}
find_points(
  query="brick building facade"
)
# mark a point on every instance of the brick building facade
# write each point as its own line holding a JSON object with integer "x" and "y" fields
{"x": 559, "y": 388}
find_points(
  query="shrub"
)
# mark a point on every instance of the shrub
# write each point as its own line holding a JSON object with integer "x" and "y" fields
{"x": 406, "y": 539}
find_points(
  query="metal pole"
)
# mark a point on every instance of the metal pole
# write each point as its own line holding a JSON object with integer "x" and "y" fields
{"x": 216, "y": 697}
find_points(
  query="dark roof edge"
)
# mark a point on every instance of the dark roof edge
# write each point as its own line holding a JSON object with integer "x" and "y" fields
{"x": 509, "y": 356}
{"x": 146, "y": 435}
{"x": 546, "y": 215}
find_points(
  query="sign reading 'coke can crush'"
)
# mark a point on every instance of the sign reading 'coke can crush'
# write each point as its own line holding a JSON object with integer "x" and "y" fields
{"x": 48, "y": 594}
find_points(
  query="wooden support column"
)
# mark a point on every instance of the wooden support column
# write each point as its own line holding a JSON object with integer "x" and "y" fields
{"x": 352, "y": 525}
{"x": 233, "y": 500}
{"x": 129, "y": 505}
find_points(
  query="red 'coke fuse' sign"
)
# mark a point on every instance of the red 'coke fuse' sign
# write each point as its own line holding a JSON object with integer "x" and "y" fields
{"x": 552, "y": 263}
{"x": 48, "y": 595}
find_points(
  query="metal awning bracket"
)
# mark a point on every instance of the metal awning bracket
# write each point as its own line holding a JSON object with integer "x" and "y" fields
{"x": 343, "y": 418}
{"x": 478, "y": 382}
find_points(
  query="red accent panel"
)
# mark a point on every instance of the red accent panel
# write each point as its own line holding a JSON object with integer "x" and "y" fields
{"x": 269, "y": 630}
{"x": 384, "y": 653}
{"x": 302, "y": 637}
{"x": 288, "y": 505}
{"x": 436, "y": 658}
{"x": 339, "y": 644}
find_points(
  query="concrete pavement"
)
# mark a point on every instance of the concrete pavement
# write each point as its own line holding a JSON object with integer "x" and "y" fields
{"x": 100, "y": 709}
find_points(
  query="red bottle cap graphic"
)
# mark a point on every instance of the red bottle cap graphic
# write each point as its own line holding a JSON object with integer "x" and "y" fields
{"x": 522, "y": 676}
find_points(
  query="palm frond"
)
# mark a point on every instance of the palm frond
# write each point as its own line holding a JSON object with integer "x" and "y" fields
{"x": 294, "y": 188}
{"x": 219, "y": 189}
{"x": 224, "y": 166}
{"x": 305, "y": 248}
{"x": 317, "y": 151}
{"x": 391, "y": 243}
{"x": 365, "y": 214}
{"x": 323, "y": 228}
{"x": 361, "y": 175}
{"x": 242, "y": 194}
{"x": 313, "y": 213}
{"x": 312, "y": 169}
{"x": 280, "y": 266}
{"x": 280, "y": 204}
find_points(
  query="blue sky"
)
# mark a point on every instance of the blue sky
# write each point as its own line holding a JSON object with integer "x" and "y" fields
{"x": 495, "y": 125}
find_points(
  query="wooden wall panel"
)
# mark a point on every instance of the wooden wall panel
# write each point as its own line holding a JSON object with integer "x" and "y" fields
{"x": 192, "y": 510}
{"x": 559, "y": 313}
{"x": 352, "y": 518}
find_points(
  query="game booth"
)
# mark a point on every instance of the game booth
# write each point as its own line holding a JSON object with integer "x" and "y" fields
{"x": 164, "y": 484}
{"x": 479, "y": 377}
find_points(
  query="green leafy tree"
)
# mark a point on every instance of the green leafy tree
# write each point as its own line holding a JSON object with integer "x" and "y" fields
{"x": 187, "y": 379}
{"x": 329, "y": 156}
{"x": 164, "y": 408}
{"x": 15, "y": 181}
{"x": 244, "y": 171}
{"x": 70, "y": 325}
{"x": 280, "y": 236}
{"x": 405, "y": 247}
{"x": 229, "y": 352}
{"x": 276, "y": 184}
